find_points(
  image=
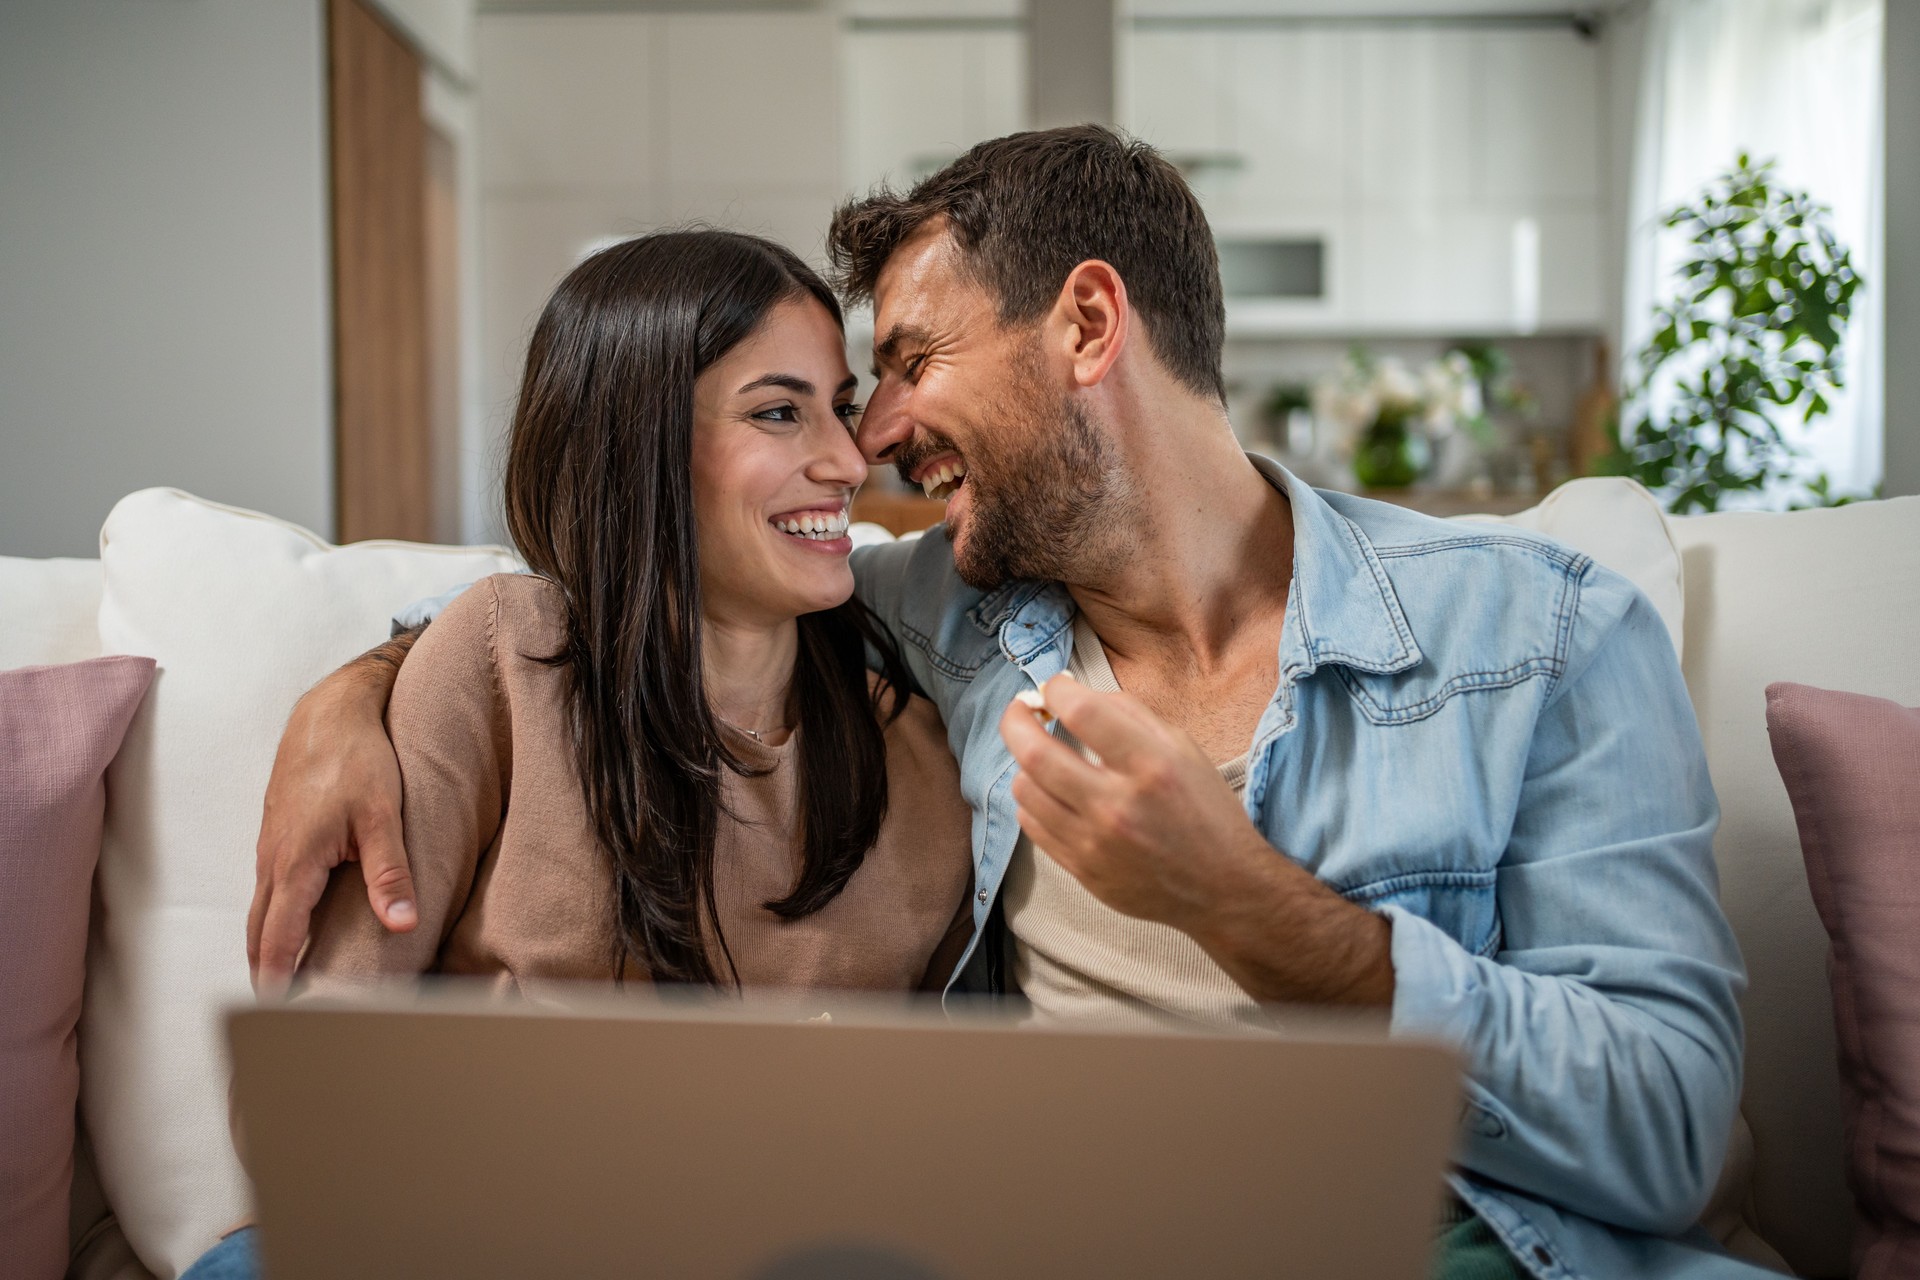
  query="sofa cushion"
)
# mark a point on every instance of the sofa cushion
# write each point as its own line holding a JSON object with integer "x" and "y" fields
{"x": 243, "y": 613}
{"x": 49, "y": 611}
{"x": 1828, "y": 598}
{"x": 1852, "y": 768}
{"x": 59, "y": 729}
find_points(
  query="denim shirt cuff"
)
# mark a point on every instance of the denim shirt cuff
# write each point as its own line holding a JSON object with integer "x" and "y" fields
{"x": 1434, "y": 980}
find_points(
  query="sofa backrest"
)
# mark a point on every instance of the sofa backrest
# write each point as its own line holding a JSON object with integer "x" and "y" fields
{"x": 49, "y": 611}
{"x": 1828, "y": 598}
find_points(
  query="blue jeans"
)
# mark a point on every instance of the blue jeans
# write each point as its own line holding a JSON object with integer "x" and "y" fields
{"x": 236, "y": 1257}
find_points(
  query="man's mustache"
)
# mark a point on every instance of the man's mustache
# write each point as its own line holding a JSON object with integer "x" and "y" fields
{"x": 918, "y": 450}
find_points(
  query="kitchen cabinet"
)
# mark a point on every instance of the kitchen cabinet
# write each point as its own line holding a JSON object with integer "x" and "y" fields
{"x": 1289, "y": 125}
{"x": 1450, "y": 173}
{"x": 1411, "y": 94}
{"x": 1173, "y": 85}
{"x": 1538, "y": 122}
{"x": 917, "y": 97}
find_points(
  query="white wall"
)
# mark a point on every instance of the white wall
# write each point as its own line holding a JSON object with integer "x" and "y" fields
{"x": 1902, "y": 241}
{"x": 163, "y": 264}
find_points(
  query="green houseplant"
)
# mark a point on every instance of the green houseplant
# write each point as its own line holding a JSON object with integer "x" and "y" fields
{"x": 1748, "y": 346}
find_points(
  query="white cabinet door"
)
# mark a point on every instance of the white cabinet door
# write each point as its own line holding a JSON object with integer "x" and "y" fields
{"x": 1431, "y": 270}
{"x": 1412, "y": 104}
{"x": 1573, "y": 284}
{"x": 1538, "y": 118}
{"x": 915, "y": 100}
{"x": 1287, "y": 124}
{"x": 996, "y": 102}
{"x": 1174, "y": 92}
{"x": 904, "y": 96}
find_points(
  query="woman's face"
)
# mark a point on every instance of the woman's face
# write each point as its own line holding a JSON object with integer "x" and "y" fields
{"x": 774, "y": 469}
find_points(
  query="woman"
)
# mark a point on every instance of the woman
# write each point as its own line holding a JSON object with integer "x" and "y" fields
{"x": 660, "y": 756}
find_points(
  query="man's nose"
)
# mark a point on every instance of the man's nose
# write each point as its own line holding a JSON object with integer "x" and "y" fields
{"x": 885, "y": 425}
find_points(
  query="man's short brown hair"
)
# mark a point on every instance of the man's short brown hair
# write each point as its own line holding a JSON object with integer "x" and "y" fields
{"x": 1026, "y": 209}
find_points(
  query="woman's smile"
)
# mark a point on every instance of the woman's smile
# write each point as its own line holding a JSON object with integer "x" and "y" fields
{"x": 817, "y": 529}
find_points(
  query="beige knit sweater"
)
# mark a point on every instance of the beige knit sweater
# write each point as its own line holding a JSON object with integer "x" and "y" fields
{"x": 514, "y": 887}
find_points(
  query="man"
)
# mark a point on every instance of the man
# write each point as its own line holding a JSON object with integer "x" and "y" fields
{"x": 1315, "y": 748}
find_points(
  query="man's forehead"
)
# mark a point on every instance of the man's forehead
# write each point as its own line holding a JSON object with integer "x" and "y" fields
{"x": 922, "y": 284}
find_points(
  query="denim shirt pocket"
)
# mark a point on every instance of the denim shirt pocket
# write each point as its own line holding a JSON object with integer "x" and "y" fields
{"x": 952, "y": 643}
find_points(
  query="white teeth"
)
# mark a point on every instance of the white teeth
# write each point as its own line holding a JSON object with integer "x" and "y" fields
{"x": 943, "y": 479}
{"x": 822, "y": 527}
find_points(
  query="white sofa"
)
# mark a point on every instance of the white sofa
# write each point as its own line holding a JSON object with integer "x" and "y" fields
{"x": 1829, "y": 598}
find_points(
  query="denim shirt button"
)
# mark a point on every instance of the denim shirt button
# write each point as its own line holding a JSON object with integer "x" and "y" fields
{"x": 1541, "y": 1256}
{"x": 982, "y": 895}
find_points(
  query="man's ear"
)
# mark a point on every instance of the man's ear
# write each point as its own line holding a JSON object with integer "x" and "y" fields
{"x": 1097, "y": 316}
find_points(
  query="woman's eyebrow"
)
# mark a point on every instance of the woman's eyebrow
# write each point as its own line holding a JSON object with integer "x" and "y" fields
{"x": 851, "y": 384}
{"x": 786, "y": 381}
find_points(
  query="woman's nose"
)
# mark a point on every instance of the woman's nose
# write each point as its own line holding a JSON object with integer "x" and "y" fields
{"x": 885, "y": 425}
{"x": 839, "y": 460}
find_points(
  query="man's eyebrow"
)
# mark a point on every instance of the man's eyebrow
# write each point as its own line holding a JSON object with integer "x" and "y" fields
{"x": 899, "y": 335}
{"x": 787, "y": 381}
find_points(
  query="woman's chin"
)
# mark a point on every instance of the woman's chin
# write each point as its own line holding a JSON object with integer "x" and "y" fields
{"x": 818, "y": 592}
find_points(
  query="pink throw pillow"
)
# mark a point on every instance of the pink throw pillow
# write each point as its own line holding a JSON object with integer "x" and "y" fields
{"x": 59, "y": 729}
{"x": 1852, "y": 768}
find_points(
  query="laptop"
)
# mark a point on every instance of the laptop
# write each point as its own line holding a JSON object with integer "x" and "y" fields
{"x": 441, "y": 1134}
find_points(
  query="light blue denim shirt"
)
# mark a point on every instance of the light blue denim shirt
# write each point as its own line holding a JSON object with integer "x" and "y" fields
{"x": 1483, "y": 736}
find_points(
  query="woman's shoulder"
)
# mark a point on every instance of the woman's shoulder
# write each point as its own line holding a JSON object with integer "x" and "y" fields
{"x": 917, "y": 732}
{"x": 527, "y": 614}
{"x": 499, "y": 622}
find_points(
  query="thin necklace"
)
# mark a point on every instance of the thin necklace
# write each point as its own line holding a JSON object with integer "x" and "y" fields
{"x": 755, "y": 734}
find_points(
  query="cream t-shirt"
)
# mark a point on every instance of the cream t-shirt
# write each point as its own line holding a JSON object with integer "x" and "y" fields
{"x": 1077, "y": 959}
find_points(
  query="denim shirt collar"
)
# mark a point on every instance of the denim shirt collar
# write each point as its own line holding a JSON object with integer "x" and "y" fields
{"x": 1341, "y": 607}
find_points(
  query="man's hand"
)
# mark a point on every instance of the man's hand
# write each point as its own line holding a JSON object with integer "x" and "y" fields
{"x": 334, "y": 797}
{"x": 1153, "y": 831}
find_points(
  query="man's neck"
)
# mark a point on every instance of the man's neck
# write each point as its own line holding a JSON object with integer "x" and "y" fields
{"x": 748, "y": 669}
{"x": 1211, "y": 558}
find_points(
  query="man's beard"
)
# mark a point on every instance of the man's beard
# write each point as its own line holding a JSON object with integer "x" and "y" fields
{"x": 1045, "y": 502}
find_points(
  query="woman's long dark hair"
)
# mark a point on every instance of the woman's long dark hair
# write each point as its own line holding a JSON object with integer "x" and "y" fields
{"x": 599, "y": 498}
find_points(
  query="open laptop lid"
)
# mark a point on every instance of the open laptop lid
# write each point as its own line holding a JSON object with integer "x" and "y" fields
{"x": 444, "y": 1135}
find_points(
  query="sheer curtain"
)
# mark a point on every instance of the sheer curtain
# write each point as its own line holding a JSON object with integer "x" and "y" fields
{"x": 1796, "y": 81}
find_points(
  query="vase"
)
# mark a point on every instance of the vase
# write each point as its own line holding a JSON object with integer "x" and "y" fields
{"x": 1391, "y": 455}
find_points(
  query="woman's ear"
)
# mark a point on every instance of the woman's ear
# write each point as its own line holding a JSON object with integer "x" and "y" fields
{"x": 1093, "y": 305}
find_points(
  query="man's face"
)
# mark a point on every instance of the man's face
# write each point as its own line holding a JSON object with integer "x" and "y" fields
{"x": 977, "y": 414}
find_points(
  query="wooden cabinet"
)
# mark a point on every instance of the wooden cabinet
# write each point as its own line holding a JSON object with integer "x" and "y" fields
{"x": 1452, "y": 173}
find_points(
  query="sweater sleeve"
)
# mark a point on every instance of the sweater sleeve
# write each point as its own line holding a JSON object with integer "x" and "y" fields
{"x": 449, "y": 723}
